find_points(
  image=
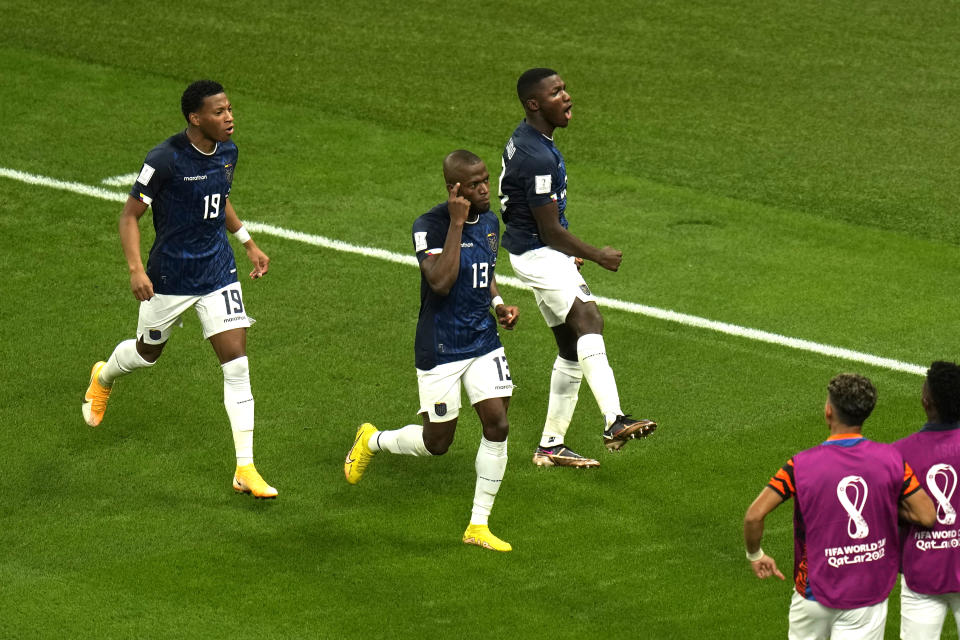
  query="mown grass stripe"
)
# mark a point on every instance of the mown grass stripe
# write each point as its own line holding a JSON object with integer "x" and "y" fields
{"x": 613, "y": 303}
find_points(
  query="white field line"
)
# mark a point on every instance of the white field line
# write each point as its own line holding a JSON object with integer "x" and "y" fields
{"x": 75, "y": 187}
{"x": 124, "y": 180}
{"x": 631, "y": 307}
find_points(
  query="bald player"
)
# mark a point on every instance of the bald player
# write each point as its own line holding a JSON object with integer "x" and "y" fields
{"x": 457, "y": 344}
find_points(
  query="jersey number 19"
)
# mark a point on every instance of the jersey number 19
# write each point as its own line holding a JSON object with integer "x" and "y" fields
{"x": 211, "y": 206}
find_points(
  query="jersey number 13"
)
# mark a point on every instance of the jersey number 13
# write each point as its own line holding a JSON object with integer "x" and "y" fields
{"x": 481, "y": 275}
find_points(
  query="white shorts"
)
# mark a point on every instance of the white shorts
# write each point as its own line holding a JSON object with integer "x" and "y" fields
{"x": 485, "y": 377}
{"x": 922, "y": 615}
{"x": 555, "y": 280}
{"x": 219, "y": 311}
{"x": 811, "y": 620}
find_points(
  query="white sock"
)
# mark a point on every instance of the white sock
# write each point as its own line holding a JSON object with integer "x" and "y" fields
{"x": 564, "y": 390}
{"x": 407, "y": 441}
{"x": 122, "y": 361}
{"x": 592, "y": 354}
{"x": 490, "y": 465}
{"x": 238, "y": 399}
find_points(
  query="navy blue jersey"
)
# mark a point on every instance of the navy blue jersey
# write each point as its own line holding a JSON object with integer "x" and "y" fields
{"x": 187, "y": 191}
{"x": 458, "y": 325}
{"x": 534, "y": 174}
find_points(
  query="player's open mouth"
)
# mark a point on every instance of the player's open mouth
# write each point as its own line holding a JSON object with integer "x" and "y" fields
{"x": 229, "y": 131}
{"x": 568, "y": 112}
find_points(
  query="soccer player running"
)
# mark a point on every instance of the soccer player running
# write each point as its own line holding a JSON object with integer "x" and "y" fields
{"x": 849, "y": 492}
{"x": 456, "y": 243}
{"x": 930, "y": 560}
{"x": 187, "y": 180}
{"x": 547, "y": 257}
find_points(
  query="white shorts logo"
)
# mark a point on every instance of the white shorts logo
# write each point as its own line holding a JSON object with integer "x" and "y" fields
{"x": 542, "y": 184}
{"x": 946, "y": 514}
{"x": 420, "y": 240}
{"x": 145, "y": 174}
{"x": 857, "y": 527}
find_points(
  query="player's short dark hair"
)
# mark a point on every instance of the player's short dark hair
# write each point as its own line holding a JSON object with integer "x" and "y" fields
{"x": 464, "y": 157}
{"x": 456, "y": 161}
{"x": 530, "y": 79}
{"x": 194, "y": 95}
{"x": 852, "y": 397}
{"x": 943, "y": 382}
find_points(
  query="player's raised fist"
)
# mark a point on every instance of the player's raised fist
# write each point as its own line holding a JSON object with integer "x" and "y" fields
{"x": 610, "y": 258}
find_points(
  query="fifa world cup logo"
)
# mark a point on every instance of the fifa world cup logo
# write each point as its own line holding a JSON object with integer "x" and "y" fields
{"x": 941, "y": 483}
{"x": 857, "y": 527}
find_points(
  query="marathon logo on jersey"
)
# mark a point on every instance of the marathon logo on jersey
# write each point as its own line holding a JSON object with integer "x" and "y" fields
{"x": 440, "y": 408}
{"x": 194, "y": 178}
{"x": 542, "y": 184}
{"x": 145, "y": 174}
{"x": 228, "y": 172}
{"x": 493, "y": 242}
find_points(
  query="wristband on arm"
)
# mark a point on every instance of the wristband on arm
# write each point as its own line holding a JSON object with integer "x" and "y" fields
{"x": 242, "y": 235}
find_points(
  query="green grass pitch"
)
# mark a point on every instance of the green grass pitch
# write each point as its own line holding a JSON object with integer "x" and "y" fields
{"x": 785, "y": 168}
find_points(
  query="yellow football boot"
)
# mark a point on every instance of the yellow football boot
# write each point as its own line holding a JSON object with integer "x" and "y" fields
{"x": 360, "y": 454}
{"x": 247, "y": 480}
{"x": 479, "y": 534}
{"x": 95, "y": 399}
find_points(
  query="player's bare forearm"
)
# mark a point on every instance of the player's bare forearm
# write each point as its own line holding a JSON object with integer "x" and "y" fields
{"x": 129, "y": 228}
{"x": 557, "y": 237}
{"x": 565, "y": 242}
{"x": 507, "y": 315}
{"x": 232, "y": 219}
{"x": 494, "y": 289}
{"x": 260, "y": 260}
{"x": 767, "y": 501}
{"x": 752, "y": 534}
{"x": 442, "y": 271}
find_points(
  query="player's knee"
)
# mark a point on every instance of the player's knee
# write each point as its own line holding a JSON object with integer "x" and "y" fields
{"x": 585, "y": 318}
{"x": 149, "y": 352}
{"x": 437, "y": 447}
{"x": 497, "y": 430}
{"x": 568, "y": 352}
{"x": 437, "y": 443}
{"x": 590, "y": 321}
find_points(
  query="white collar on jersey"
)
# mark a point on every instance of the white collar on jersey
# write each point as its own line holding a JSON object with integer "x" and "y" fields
{"x": 215, "y": 147}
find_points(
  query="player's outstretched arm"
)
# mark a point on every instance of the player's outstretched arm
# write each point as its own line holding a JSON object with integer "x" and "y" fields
{"x": 553, "y": 234}
{"x": 129, "y": 227}
{"x": 763, "y": 566}
{"x": 506, "y": 315}
{"x": 260, "y": 260}
{"x": 441, "y": 271}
